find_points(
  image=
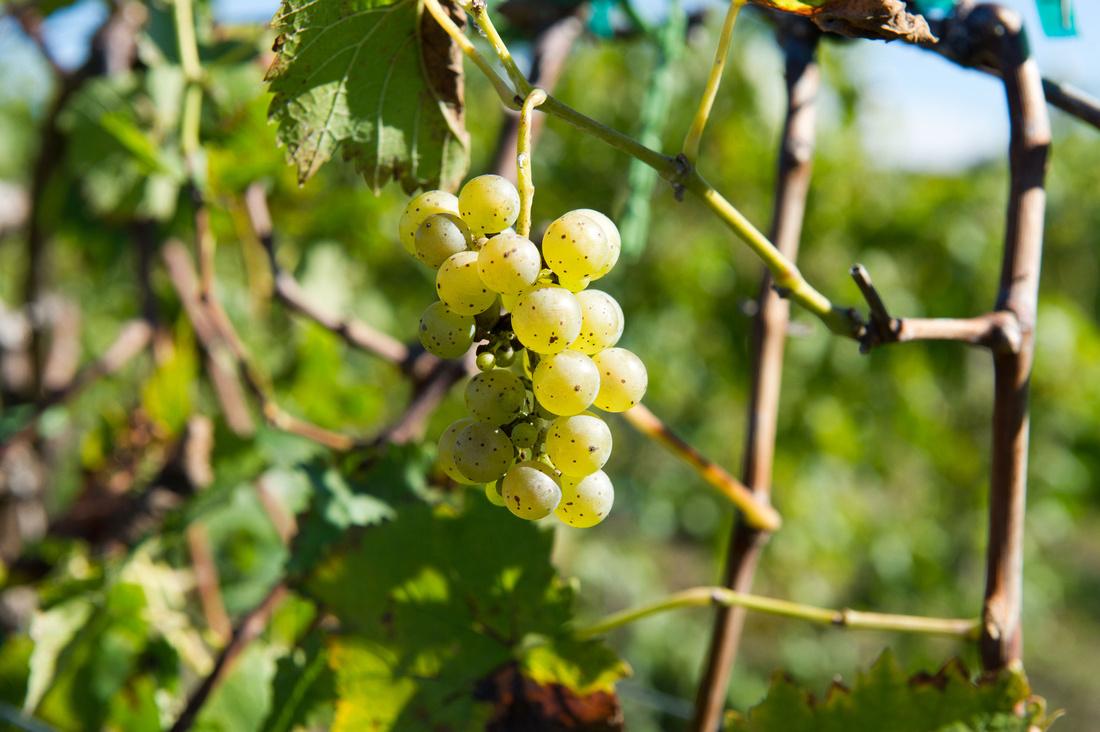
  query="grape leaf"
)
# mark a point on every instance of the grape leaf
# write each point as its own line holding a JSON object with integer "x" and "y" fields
{"x": 885, "y": 698}
{"x": 378, "y": 80}
{"x": 434, "y": 605}
{"x": 303, "y": 690}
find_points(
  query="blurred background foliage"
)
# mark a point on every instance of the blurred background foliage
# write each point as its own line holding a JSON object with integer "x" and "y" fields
{"x": 882, "y": 460}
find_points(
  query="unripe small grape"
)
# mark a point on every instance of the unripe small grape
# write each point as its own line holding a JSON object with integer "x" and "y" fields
{"x": 531, "y": 490}
{"x": 585, "y": 501}
{"x": 566, "y": 383}
{"x": 489, "y": 204}
{"x": 492, "y": 492}
{"x": 623, "y": 379}
{"x": 420, "y": 208}
{"x": 525, "y": 435}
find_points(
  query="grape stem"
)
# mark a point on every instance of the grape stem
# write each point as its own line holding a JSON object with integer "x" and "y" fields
{"x": 966, "y": 628}
{"x": 679, "y": 170}
{"x": 690, "y": 148}
{"x": 525, "y": 162}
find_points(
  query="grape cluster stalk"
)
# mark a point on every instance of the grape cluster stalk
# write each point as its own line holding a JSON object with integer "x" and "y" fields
{"x": 546, "y": 348}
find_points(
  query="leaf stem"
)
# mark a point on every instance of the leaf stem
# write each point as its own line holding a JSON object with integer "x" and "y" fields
{"x": 710, "y": 91}
{"x": 967, "y": 628}
{"x": 524, "y": 161}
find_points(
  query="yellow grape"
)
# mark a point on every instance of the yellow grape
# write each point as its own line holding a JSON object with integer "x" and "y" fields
{"x": 509, "y": 263}
{"x": 585, "y": 501}
{"x": 492, "y": 492}
{"x": 547, "y": 318}
{"x": 614, "y": 239}
{"x": 601, "y": 322}
{"x": 566, "y": 383}
{"x": 578, "y": 445}
{"x": 531, "y": 490}
{"x": 489, "y": 204}
{"x": 420, "y": 208}
{"x": 575, "y": 247}
{"x": 623, "y": 379}
{"x": 459, "y": 285}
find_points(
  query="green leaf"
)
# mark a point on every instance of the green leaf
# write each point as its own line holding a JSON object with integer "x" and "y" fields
{"x": 51, "y": 631}
{"x": 243, "y": 700}
{"x": 336, "y": 507}
{"x": 436, "y": 605}
{"x": 378, "y": 80}
{"x": 885, "y": 698}
{"x": 304, "y": 689}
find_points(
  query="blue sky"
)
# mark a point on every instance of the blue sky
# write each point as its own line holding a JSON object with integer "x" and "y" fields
{"x": 948, "y": 117}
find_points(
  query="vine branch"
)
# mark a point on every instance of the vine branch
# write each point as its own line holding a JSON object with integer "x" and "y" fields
{"x": 844, "y": 618}
{"x": 690, "y": 148}
{"x": 756, "y": 513}
{"x": 799, "y": 40}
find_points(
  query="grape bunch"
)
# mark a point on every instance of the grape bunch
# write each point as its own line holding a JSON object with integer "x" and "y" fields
{"x": 546, "y": 348}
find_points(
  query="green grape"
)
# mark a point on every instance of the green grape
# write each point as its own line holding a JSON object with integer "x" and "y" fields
{"x": 531, "y": 490}
{"x": 505, "y": 356}
{"x": 585, "y": 501}
{"x": 509, "y": 263}
{"x": 547, "y": 319}
{"x": 578, "y": 445}
{"x": 460, "y": 287}
{"x": 614, "y": 240}
{"x": 440, "y": 236}
{"x": 444, "y": 333}
{"x": 489, "y": 204}
{"x": 485, "y": 361}
{"x": 566, "y": 383}
{"x": 601, "y": 322}
{"x": 623, "y": 379}
{"x": 574, "y": 285}
{"x": 575, "y": 247}
{"x": 420, "y": 208}
{"x": 525, "y": 435}
{"x": 492, "y": 492}
{"x": 495, "y": 397}
{"x": 482, "y": 452}
{"x": 447, "y": 450}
